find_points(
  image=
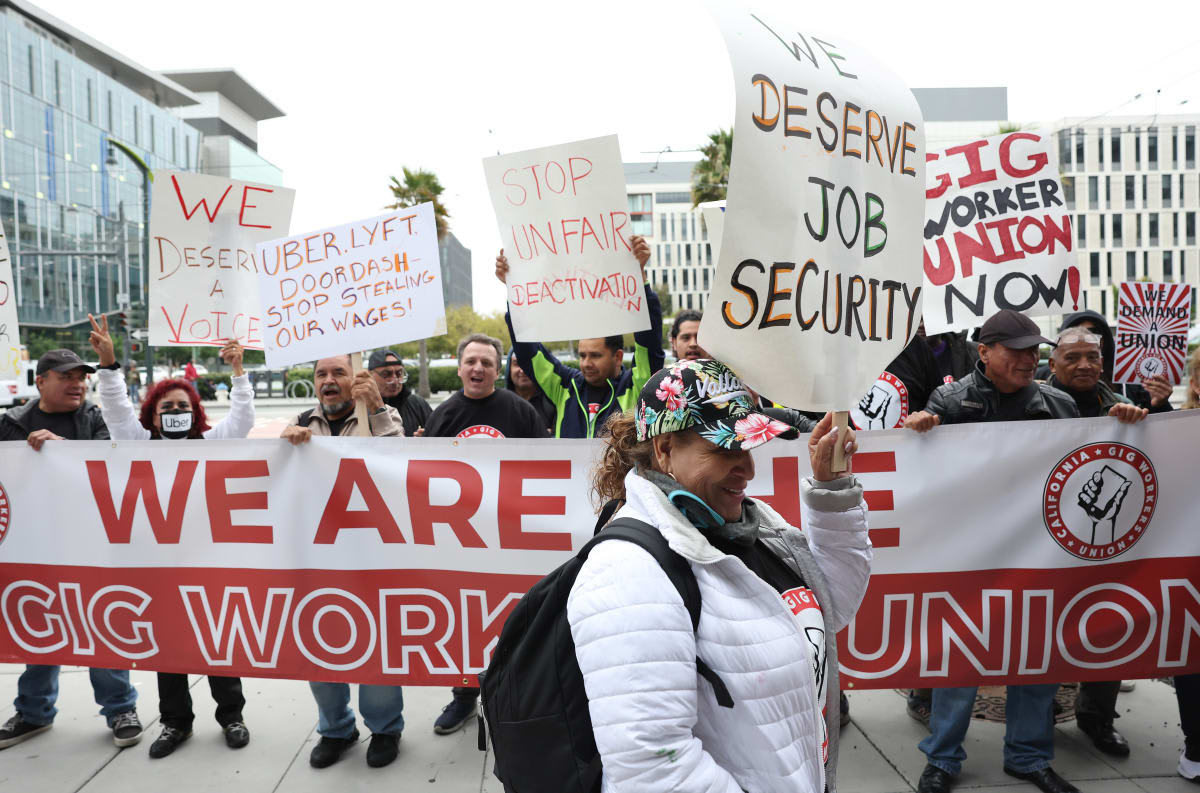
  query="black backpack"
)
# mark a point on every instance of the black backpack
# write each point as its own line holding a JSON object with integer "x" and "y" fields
{"x": 532, "y": 692}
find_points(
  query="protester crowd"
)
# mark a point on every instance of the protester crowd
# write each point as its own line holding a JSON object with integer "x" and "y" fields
{"x": 684, "y": 477}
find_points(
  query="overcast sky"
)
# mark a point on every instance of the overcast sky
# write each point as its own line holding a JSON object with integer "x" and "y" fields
{"x": 369, "y": 87}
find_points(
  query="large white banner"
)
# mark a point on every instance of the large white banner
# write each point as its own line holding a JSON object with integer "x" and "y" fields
{"x": 203, "y": 271}
{"x": 10, "y": 336}
{"x": 818, "y": 285}
{"x": 997, "y": 232}
{"x": 564, "y": 222}
{"x": 352, "y": 287}
{"x": 1016, "y": 552}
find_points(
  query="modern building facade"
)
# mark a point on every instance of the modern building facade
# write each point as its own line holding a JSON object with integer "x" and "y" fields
{"x": 456, "y": 272}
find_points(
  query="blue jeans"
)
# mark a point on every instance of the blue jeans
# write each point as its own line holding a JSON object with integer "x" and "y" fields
{"x": 37, "y": 691}
{"x": 1028, "y": 732}
{"x": 382, "y": 709}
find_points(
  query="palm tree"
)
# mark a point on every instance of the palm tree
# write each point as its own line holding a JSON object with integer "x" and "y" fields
{"x": 710, "y": 176}
{"x": 421, "y": 186}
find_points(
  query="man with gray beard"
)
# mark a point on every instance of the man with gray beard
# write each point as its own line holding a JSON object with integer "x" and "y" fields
{"x": 338, "y": 389}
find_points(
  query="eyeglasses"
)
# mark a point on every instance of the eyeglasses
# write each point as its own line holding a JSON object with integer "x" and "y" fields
{"x": 393, "y": 373}
{"x": 1075, "y": 336}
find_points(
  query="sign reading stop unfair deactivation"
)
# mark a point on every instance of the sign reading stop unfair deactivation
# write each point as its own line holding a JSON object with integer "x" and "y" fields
{"x": 818, "y": 282}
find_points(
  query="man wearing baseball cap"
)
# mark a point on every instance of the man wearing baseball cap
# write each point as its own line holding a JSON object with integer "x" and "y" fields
{"x": 392, "y": 379}
{"x": 1001, "y": 388}
{"x": 60, "y": 413}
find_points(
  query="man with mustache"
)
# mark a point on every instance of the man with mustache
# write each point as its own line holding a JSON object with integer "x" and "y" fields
{"x": 61, "y": 413}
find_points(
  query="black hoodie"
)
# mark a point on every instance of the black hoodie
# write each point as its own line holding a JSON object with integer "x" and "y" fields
{"x": 1108, "y": 351}
{"x": 540, "y": 401}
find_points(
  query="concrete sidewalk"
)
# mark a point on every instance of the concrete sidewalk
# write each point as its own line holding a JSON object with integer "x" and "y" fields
{"x": 878, "y": 754}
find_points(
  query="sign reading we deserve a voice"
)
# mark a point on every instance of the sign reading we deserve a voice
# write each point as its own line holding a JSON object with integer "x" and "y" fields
{"x": 564, "y": 220}
{"x": 818, "y": 282}
{"x": 367, "y": 284}
{"x": 203, "y": 269}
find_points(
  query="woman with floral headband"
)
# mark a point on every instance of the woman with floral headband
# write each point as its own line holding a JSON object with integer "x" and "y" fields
{"x": 769, "y": 597}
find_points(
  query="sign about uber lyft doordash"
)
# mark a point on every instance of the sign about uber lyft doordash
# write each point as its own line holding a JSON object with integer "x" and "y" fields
{"x": 379, "y": 560}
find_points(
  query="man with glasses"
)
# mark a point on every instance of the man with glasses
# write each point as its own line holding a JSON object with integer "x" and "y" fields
{"x": 392, "y": 379}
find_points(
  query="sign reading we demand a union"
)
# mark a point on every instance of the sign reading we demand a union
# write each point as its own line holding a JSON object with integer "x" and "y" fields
{"x": 997, "y": 232}
{"x": 203, "y": 270}
{"x": 819, "y": 265}
{"x": 1152, "y": 331}
{"x": 564, "y": 221}
{"x": 366, "y": 284}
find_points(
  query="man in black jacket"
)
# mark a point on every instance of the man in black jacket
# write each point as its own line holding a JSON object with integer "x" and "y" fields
{"x": 1001, "y": 388}
{"x": 61, "y": 413}
{"x": 392, "y": 379}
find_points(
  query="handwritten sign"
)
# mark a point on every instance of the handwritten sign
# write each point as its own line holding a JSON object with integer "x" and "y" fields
{"x": 366, "y": 284}
{"x": 1152, "y": 330}
{"x": 997, "y": 232}
{"x": 818, "y": 282}
{"x": 10, "y": 339}
{"x": 564, "y": 220}
{"x": 203, "y": 266}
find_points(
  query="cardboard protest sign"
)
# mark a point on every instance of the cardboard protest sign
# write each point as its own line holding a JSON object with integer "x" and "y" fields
{"x": 352, "y": 287}
{"x": 564, "y": 219}
{"x": 203, "y": 265}
{"x": 818, "y": 283}
{"x": 10, "y": 338}
{"x": 997, "y": 232}
{"x": 1152, "y": 330}
{"x": 713, "y": 214}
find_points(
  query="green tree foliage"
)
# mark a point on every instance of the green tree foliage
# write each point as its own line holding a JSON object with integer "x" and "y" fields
{"x": 460, "y": 321}
{"x": 710, "y": 176}
{"x": 418, "y": 187}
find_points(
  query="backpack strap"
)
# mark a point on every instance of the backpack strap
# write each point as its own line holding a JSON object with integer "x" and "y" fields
{"x": 305, "y": 418}
{"x": 679, "y": 572}
{"x": 606, "y": 513}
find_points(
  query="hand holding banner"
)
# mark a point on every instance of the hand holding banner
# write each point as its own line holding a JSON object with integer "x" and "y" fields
{"x": 203, "y": 229}
{"x": 818, "y": 281}
{"x": 564, "y": 211}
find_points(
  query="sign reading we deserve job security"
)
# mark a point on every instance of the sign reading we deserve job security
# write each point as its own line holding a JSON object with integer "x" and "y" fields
{"x": 818, "y": 283}
{"x": 10, "y": 339}
{"x": 203, "y": 282}
{"x": 564, "y": 221}
{"x": 997, "y": 232}
{"x": 1152, "y": 331}
{"x": 352, "y": 287}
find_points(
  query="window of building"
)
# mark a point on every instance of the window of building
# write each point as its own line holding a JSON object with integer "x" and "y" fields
{"x": 1117, "y": 230}
{"x": 57, "y": 84}
{"x": 692, "y": 223}
{"x": 1168, "y": 266}
{"x": 1137, "y": 151}
{"x": 685, "y": 279}
{"x": 1095, "y": 268}
{"x": 1129, "y": 191}
{"x": 187, "y": 151}
{"x": 1108, "y": 191}
{"x": 1189, "y": 147}
{"x": 1103, "y": 223}
{"x": 1081, "y": 225}
{"x": 109, "y": 119}
{"x": 1092, "y": 191}
{"x": 153, "y": 143}
{"x": 1100, "y": 148}
{"x": 708, "y": 255}
{"x": 1166, "y": 190}
{"x": 667, "y": 255}
{"x": 1152, "y": 148}
{"x": 1079, "y": 150}
{"x": 1153, "y": 231}
{"x": 1115, "y": 156}
{"x": 1145, "y": 181}
{"x": 1104, "y": 302}
{"x": 663, "y": 225}
{"x": 1108, "y": 270}
{"x": 174, "y": 146}
{"x": 707, "y": 273}
{"x": 689, "y": 301}
{"x": 137, "y": 126}
{"x": 673, "y": 198}
{"x": 32, "y": 72}
{"x": 1131, "y": 266}
{"x": 1174, "y": 147}
{"x": 1069, "y": 191}
{"x": 90, "y": 119}
{"x": 1145, "y": 264}
{"x": 687, "y": 255}
{"x": 1137, "y": 223}
{"x": 681, "y": 227}
{"x": 641, "y": 220}
{"x": 1064, "y": 148}
{"x": 1174, "y": 228}
{"x": 1189, "y": 227}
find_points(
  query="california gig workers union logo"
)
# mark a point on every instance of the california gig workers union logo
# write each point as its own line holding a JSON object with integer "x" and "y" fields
{"x": 1099, "y": 500}
{"x": 5, "y": 512}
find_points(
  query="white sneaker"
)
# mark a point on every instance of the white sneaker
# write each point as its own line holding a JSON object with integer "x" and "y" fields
{"x": 1127, "y": 686}
{"x": 1189, "y": 769}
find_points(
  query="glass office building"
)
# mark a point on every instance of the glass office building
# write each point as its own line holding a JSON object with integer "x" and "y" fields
{"x": 62, "y": 97}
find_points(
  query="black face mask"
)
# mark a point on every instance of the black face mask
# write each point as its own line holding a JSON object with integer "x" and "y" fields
{"x": 175, "y": 424}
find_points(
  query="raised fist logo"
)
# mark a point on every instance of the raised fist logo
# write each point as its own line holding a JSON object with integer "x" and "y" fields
{"x": 1101, "y": 498}
{"x": 874, "y": 407}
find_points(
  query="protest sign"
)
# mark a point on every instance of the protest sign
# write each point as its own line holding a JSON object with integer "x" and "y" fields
{"x": 203, "y": 287}
{"x": 997, "y": 232}
{"x": 376, "y": 561}
{"x": 10, "y": 338}
{"x": 352, "y": 287}
{"x": 818, "y": 283}
{"x": 564, "y": 222}
{"x": 1152, "y": 331}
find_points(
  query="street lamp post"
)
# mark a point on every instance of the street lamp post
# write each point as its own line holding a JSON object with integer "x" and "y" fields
{"x": 147, "y": 178}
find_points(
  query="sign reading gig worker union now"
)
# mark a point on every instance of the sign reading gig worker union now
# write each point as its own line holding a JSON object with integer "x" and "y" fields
{"x": 820, "y": 260}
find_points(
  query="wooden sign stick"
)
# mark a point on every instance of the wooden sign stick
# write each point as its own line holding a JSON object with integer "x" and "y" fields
{"x": 841, "y": 420}
{"x": 360, "y": 408}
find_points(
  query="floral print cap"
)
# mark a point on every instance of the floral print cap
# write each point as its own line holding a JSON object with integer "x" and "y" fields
{"x": 707, "y": 397}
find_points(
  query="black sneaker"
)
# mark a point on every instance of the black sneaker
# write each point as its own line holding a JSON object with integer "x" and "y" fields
{"x": 17, "y": 729}
{"x": 329, "y": 750}
{"x": 382, "y": 749}
{"x": 236, "y": 735}
{"x": 454, "y": 716}
{"x": 126, "y": 729}
{"x": 166, "y": 742}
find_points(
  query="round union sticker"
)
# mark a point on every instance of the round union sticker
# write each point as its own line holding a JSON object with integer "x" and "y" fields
{"x": 5, "y": 512}
{"x": 480, "y": 431}
{"x": 1099, "y": 499}
{"x": 884, "y": 407}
